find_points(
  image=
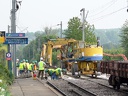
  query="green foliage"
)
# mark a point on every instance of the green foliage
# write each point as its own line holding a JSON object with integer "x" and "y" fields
{"x": 75, "y": 32}
{"x": 114, "y": 52}
{"x": 6, "y": 75}
{"x": 33, "y": 50}
{"x": 7, "y": 79}
{"x": 54, "y": 58}
{"x": 109, "y": 36}
{"x": 111, "y": 46}
{"x": 124, "y": 37}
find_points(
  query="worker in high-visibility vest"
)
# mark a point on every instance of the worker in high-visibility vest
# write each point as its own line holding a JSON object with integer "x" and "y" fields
{"x": 34, "y": 66}
{"x": 27, "y": 66}
{"x": 21, "y": 68}
{"x": 30, "y": 69}
{"x": 51, "y": 73}
{"x": 41, "y": 65}
{"x": 58, "y": 72}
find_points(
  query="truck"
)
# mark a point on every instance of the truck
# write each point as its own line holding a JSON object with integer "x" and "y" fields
{"x": 75, "y": 56}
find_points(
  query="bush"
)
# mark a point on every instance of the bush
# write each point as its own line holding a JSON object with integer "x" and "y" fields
{"x": 6, "y": 79}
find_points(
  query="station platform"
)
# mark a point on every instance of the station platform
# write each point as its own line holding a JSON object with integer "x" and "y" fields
{"x": 30, "y": 87}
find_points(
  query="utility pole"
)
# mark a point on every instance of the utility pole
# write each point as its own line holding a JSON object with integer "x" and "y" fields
{"x": 83, "y": 22}
{"x": 60, "y": 29}
{"x": 13, "y": 30}
{"x": 83, "y": 26}
{"x": 9, "y": 61}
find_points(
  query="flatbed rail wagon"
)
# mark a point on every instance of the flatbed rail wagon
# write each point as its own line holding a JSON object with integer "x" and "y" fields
{"x": 118, "y": 71}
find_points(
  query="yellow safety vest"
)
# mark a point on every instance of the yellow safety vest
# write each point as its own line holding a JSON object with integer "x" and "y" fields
{"x": 30, "y": 67}
{"x": 41, "y": 65}
{"x": 58, "y": 71}
{"x": 21, "y": 66}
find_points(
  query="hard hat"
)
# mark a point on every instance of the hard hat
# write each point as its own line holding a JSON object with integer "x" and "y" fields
{"x": 41, "y": 58}
{"x": 75, "y": 62}
{"x": 27, "y": 60}
{"x": 24, "y": 60}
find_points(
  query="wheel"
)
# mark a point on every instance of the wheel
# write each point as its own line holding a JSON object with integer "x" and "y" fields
{"x": 118, "y": 86}
{"x": 79, "y": 74}
{"x": 73, "y": 71}
{"x": 110, "y": 80}
{"x": 114, "y": 86}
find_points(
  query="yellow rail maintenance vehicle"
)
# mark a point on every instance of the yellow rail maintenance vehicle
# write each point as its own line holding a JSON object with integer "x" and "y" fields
{"x": 75, "y": 56}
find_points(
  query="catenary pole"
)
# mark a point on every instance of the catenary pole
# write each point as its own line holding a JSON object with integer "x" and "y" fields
{"x": 13, "y": 30}
{"x": 61, "y": 29}
{"x": 83, "y": 26}
{"x": 9, "y": 61}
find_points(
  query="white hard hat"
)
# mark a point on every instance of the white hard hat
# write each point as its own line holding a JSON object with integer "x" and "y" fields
{"x": 75, "y": 61}
{"x": 41, "y": 58}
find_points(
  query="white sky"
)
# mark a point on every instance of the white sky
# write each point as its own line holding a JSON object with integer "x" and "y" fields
{"x": 34, "y": 15}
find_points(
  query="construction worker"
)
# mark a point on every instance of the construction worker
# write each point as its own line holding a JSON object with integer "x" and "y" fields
{"x": 17, "y": 66}
{"x": 50, "y": 72}
{"x": 21, "y": 68}
{"x": 58, "y": 72}
{"x": 35, "y": 66}
{"x": 24, "y": 64}
{"x": 30, "y": 69}
{"x": 27, "y": 66}
{"x": 41, "y": 65}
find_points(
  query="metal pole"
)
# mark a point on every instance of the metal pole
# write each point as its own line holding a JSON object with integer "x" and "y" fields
{"x": 9, "y": 50}
{"x": 61, "y": 29}
{"x": 83, "y": 26}
{"x": 13, "y": 30}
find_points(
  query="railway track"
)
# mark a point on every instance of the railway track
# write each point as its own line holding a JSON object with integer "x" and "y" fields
{"x": 69, "y": 89}
{"x": 70, "y": 86}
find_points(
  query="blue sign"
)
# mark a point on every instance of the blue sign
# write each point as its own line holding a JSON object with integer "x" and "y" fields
{"x": 16, "y": 40}
{"x": 15, "y": 34}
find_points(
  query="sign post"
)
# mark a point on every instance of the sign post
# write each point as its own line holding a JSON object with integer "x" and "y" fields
{"x": 14, "y": 38}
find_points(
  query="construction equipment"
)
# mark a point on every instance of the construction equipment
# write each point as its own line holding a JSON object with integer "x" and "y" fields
{"x": 75, "y": 56}
{"x": 116, "y": 55}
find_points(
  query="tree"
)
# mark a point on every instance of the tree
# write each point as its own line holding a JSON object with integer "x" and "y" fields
{"x": 124, "y": 37}
{"x": 75, "y": 32}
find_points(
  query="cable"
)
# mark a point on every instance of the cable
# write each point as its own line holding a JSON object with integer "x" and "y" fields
{"x": 108, "y": 14}
{"x": 104, "y": 9}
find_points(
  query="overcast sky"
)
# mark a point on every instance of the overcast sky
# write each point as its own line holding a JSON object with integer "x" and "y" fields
{"x": 34, "y": 15}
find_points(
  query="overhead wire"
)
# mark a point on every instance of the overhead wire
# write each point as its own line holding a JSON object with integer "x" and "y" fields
{"x": 102, "y": 6}
{"x": 104, "y": 9}
{"x": 101, "y": 17}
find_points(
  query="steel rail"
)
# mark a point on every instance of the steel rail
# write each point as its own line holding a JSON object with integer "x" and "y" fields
{"x": 64, "y": 94}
